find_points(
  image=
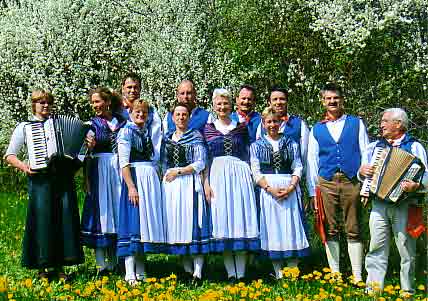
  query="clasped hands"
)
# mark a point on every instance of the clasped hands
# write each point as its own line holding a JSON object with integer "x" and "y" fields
{"x": 281, "y": 193}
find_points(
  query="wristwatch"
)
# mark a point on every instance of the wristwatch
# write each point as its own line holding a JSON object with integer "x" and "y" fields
{"x": 179, "y": 171}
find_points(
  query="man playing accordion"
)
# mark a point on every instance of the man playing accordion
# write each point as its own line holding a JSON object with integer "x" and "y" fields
{"x": 386, "y": 215}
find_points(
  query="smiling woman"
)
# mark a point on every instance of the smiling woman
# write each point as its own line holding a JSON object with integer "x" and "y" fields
{"x": 101, "y": 209}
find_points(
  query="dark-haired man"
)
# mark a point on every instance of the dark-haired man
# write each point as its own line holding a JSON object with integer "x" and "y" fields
{"x": 334, "y": 155}
{"x": 291, "y": 125}
{"x": 245, "y": 103}
{"x": 131, "y": 90}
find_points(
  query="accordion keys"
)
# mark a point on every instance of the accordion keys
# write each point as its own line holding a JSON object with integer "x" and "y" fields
{"x": 58, "y": 136}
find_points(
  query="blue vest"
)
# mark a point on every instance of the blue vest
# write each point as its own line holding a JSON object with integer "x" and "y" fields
{"x": 343, "y": 156}
{"x": 293, "y": 128}
{"x": 197, "y": 121}
{"x": 252, "y": 124}
{"x": 406, "y": 143}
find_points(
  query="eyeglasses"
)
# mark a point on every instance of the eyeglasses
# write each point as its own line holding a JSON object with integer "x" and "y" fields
{"x": 44, "y": 102}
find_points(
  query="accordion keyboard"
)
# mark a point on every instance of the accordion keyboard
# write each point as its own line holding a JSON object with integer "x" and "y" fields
{"x": 379, "y": 156}
{"x": 410, "y": 175}
{"x": 37, "y": 150}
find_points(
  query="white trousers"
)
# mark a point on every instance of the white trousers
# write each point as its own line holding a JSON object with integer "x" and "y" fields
{"x": 384, "y": 218}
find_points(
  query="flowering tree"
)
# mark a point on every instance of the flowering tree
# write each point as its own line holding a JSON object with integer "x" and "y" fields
{"x": 377, "y": 50}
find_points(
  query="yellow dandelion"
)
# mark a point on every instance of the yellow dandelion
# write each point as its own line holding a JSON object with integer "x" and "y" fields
{"x": 326, "y": 270}
{"x": 285, "y": 285}
{"x": 381, "y": 299}
{"x": 278, "y": 298}
{"x": 338, "y": 298}
{"x": 398, "y": 299}
{"x": 397, "y": 287}
{"x": 421, "y": 287}
{"x": 28, "y": 283}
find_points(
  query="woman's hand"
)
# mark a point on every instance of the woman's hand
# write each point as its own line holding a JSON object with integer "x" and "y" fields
{"x": 90, "y": 142}
{"x": 209, "y": 194}
{"x": 28, "y": 170}
{"x": 170, "y": 175}
{"x": 133, "y": 196}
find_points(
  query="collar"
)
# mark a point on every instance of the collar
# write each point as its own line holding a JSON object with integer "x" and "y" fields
{"x": 398, "y": 141}
{"x": 247, "y": 117}
{"x": 328, "y": 118}
{"x": 35, "y": 118}
{"x": 285, "y": 118}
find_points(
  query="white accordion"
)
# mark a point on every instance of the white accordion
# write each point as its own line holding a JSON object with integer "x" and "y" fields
{"x": 58, "y": 136}
{"x": 392, "y": 166}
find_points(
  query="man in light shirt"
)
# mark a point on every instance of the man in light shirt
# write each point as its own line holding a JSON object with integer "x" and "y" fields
{"x": 386, "y": 216}
{"x": 334, "y": 155}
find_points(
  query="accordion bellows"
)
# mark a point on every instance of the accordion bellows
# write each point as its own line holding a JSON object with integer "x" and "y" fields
{"x": 392, "y": 165}
{"x": 58, "y": 136}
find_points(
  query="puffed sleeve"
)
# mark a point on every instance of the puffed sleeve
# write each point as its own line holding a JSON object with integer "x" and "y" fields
{"x": 124, "y": 147}
{"x": 255, "y": 163}
{"x": 17, "y": 140}
{"x": 296, "y": 165}
{"x": 199, "y": 157}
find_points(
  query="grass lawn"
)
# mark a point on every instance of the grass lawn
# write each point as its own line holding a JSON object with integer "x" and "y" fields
{"x": 167, "y": 281}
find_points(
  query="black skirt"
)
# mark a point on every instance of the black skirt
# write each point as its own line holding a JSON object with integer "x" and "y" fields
{"x": 52, "y": 230}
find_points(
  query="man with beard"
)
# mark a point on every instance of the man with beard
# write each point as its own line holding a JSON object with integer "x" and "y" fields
{"x": 334, "y": 155}
{"x": 245, "y": 102}
{"x": 186, "y": 94}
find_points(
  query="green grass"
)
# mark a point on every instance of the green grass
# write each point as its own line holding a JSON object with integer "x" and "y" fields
{"x": 19, "y": 283}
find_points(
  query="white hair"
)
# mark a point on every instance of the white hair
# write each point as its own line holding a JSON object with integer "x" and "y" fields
{"x": 221, "y": 92}
{"x": 399, "y": 114}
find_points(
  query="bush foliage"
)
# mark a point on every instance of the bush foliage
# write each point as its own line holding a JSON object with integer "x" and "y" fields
{"x": 376, "y": 49}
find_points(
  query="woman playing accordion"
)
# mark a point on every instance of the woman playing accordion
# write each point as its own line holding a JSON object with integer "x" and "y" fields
{"x": 52, "y": 231}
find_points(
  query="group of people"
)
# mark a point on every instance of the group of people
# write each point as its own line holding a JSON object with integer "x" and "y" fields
{"x": 226, "y": 182}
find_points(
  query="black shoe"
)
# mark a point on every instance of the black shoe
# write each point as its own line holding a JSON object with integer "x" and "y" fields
{"x": 232, "y": 280}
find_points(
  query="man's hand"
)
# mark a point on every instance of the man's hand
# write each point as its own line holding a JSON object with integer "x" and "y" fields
{"x": 366, "y": 170}
{"x": 409, "y": 186}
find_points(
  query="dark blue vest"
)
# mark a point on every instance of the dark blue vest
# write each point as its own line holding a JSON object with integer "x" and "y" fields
{"x": 252, "y": 124}
{"x": 197, "y": 121}
{"x": 343, "y": 156}
{"x": 406, "y": 143}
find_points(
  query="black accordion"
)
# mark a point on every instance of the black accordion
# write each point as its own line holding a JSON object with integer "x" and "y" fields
{"x": 58, "y": 136}
{"x": 392, "y": 166}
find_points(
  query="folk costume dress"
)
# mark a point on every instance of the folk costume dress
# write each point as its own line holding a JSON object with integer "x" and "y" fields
{"x": 141, "y": 229}
{"x": 52, "y": 229}
{"x": 188, "y": 217}
{"x": 100, "y": 218}
{"x": 282, "y": 223}
{"x": 233, "y": 207}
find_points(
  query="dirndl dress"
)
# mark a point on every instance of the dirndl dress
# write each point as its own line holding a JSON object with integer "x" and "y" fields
{"x": 282, "y": 223}
{"x": 141, "y": 228}
{"x": 233, "y": 207}
{"x": 188, "y": 216}
{"x": 100, "y": 217}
